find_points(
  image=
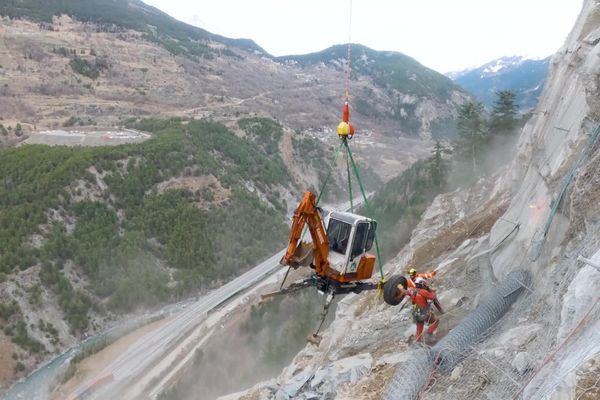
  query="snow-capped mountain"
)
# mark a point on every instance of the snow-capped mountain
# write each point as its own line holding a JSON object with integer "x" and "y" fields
{"x": 524, "y": 76}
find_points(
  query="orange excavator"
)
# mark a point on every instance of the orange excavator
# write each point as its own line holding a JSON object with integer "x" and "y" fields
{"x": 338, "y": 253}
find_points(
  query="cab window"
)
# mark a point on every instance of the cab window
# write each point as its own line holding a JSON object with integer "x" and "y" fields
{"x": 371, "y": 236}
{"x": 359, "y": 239}
{"x": 338, "y": 233}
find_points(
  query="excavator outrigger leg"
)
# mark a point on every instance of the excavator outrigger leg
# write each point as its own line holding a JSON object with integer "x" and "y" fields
{"x": 324, "y": 285}
{"x": 315, "y": 338}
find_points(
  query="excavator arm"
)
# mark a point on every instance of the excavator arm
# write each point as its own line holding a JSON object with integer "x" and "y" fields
{"x": 307, "y": 213}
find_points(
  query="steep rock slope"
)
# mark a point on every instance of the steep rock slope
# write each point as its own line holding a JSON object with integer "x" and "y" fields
{"x": 539, "y": 214}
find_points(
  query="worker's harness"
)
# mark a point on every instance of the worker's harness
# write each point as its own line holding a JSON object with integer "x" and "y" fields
{"x": 421, "y": 315}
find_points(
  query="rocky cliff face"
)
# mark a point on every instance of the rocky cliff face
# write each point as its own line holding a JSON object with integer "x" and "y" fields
{"x": 540, "y": 213}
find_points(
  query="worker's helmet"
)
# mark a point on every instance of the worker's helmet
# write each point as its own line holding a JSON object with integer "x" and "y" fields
{"x": 412, "y": 272}
{"x": 420, "y": 282}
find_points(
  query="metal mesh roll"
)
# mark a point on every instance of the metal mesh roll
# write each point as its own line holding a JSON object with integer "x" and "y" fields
{"x": 410, "y": 378}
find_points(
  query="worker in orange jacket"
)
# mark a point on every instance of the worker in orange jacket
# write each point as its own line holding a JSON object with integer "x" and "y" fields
{"x": 420, "y": 282}
{"x": 422, "y": 297}
{"x": 413, "y": 275}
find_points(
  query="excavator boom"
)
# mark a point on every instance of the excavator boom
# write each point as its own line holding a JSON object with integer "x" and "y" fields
{"x": 307, "y": 213}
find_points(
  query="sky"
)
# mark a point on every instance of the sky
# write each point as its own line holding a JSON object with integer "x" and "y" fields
{"x": 445, "y": 35}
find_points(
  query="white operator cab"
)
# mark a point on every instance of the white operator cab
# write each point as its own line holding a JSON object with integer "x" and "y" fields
{"x": 350, "y": 236}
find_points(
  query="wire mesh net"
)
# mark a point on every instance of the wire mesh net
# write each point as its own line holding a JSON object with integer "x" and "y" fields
{"x": 529, "y": 358}
{"x": 457, "y": 345}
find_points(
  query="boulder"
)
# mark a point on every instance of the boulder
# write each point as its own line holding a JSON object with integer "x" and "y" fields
{"x": 522, "y": 362}
{"x": 291, "y": 387}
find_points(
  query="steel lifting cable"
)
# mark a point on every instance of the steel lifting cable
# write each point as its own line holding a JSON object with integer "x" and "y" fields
{"x": 348, "y": 65}
{"x": 364, "y": 196}
{"x": 322, "y": 190}
{"x": 349, "y": 183}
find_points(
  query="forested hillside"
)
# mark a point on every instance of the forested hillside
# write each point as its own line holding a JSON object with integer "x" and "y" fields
{"x": 110, "y": 229}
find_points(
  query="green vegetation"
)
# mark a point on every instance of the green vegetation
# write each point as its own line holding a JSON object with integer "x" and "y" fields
{"x": 20, "y": 337}
{"x": 312, "y": 154}
{"x": 15, "y": 328}
{"x": 478, "y": 132}
{"x": 116, "y": 15}
{"x": 398, "y": 205}
{"x": 72, "y": 121}
{"x": 264, "y": 132}
{"x": 88, "y": 68}
{"x": 87, "y": 349}
{"x": 8, "y": 310}
{"x": 124, "y": 238}
{"x": 472, "y": 132}
{"x": 19, "y": 367}
{"x": 35, "y": 295}
{"x": 74, "y": 303}
{"x": 50, "y": 331}
{"x": 503, "y": 120}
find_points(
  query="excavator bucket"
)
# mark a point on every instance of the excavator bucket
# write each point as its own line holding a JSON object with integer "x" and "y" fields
{"x": 303, "y": 255}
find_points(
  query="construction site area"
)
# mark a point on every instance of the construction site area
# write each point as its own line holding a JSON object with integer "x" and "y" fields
{"x": 495, "y": 294}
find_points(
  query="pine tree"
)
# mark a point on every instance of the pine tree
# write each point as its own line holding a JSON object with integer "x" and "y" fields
{"x": 471, "y": 128}
{"x": 439, "y": 167}
{"x": 503, "y": 120}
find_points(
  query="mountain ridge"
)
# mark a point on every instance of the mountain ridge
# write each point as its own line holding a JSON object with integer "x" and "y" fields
{"x": 209, "y": 73}
{"x": 525, "y": 76}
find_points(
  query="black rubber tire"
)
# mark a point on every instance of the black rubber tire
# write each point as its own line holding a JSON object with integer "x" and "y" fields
{"x": 390, "y": 289}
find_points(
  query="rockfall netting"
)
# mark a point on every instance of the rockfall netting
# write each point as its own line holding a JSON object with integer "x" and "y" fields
{"x": 412, "y": 377}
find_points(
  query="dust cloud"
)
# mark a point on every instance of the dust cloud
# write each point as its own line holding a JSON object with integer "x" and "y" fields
{"x": 251, "y": 347}
{"x": 495, "y": 155}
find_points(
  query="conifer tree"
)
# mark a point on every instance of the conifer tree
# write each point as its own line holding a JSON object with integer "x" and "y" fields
{"x": 503, "y": 120}
{"x": 471, "y": 126}
{"x": 439, "y": 167}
